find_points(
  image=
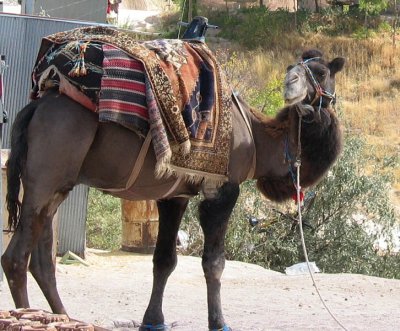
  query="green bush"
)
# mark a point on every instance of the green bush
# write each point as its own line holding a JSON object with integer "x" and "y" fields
{"x": 260, "y": 27}
{"x": 269, "y": 99}
{"x": 256, "y": 27}
{"x": 349, "y": 213}
{"x": 103, "y": 224}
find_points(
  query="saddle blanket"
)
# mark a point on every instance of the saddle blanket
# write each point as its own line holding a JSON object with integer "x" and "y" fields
{"x": 173, "y": 88}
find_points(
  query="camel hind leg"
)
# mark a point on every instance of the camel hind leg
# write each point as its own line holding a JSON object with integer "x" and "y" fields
{"x": 33, "y": 236}
{"x": 59, "y": 136}
{"x": 43, "y": 269}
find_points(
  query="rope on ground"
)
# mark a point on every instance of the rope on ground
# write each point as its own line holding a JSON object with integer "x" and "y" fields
{"x": 300, "y": 221}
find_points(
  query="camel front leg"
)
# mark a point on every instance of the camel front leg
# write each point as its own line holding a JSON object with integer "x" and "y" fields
{"x": 164, "y": 259}
{"x": 214, "y": 216}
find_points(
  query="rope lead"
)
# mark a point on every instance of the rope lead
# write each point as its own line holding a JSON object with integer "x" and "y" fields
{"x": 299, "y": 193}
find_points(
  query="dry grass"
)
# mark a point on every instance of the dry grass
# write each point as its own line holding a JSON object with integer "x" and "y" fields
{"x": 369, "y": 87}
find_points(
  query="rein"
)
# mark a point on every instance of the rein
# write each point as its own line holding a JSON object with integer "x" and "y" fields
{"x": 299, "y": 197}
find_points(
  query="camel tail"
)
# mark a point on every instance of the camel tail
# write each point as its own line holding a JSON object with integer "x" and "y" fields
{"x": 16, "y": 163}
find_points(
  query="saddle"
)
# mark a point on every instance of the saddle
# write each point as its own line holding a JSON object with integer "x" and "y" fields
{"x": 171, "y": 89}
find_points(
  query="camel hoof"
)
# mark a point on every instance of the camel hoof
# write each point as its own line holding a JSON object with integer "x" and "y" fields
{"x": 157, "y": 327}
{"x": 224, "y": 328}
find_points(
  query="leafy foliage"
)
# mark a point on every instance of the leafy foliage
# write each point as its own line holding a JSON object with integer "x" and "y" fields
{"x": 255, "y": 27}
{"x": 349, "y": 214}
{"x": 373, "y": 7}
{"x": 261, "y": 27}
{"x": 103, "y": 225}
{"x": 269, "y": 99}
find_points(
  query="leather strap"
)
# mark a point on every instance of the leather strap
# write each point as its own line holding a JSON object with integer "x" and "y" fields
{"x": 136, "y": 168}
{"x": 252, "y": 170}
{"x": 139, "y": 161}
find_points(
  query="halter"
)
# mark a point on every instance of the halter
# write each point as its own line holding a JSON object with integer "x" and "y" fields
{"x": 319, "y": 91}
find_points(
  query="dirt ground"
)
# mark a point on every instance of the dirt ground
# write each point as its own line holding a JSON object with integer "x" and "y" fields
{"x": 117, "y": 286}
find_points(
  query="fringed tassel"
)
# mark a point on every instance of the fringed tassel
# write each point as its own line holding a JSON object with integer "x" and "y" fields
{"x": 48, "y": 79}
{"x": 163, "y": 165}
{"x": 79, "y": 68}
{"x": 185, "y": 147}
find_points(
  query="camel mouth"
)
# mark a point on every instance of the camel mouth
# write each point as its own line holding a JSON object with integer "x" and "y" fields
{"x": 293, "y": 101}
{"x": 292, "y": 98}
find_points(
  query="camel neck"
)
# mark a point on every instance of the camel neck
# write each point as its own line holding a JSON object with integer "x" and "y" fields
{"x": 269, "y": 146}
{"x": 275, "y": 138}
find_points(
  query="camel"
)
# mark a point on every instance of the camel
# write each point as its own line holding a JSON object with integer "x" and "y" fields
{"x": 56, "y": 144}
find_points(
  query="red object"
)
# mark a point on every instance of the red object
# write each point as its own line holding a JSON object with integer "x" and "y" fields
{"x": 294, "y": 196}
{"x": 108, "y": 7}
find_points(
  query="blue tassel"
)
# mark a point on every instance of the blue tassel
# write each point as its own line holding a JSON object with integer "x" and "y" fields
{"x": 224, "y": 328}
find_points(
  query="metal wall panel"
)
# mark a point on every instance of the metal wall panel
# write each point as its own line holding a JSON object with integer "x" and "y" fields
{"x": 72, "y": 222}
{"x": 20, "y": 38}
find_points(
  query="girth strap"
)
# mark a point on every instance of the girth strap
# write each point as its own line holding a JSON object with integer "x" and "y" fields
{"x": 137, "y": 167}
{"x": 252, "y": 170}
{"x": 139, "y": 161}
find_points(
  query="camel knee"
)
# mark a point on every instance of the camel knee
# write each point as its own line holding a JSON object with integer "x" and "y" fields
{"x": 13, "y": 267}
{"x": 6, "y": 263}
{"x": 165, "y": 262}
{"x": 213, "y": 267}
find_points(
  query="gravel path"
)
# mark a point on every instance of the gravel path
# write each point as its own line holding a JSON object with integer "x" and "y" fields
{"x": 117, "y": 287}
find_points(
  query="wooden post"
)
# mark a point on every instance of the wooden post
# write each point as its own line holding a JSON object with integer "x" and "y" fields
{"x": 190, "y": 5}
{"x": 28, "y": 7}
{"x": 394, "y": 24}
{"x": 139, "y": 226}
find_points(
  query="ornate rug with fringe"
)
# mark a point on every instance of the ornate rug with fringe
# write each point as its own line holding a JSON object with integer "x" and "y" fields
{"x": 172, "y": 87}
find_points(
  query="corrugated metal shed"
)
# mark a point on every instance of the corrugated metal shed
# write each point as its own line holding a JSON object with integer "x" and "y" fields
{"x": 72, "y": 222}
{"x": 19, "y": 41}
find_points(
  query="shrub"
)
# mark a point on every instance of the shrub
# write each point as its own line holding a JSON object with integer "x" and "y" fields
{"x": 103, "y": 223}
{"x": 269, "y": 99}
{"x": 349, "y": 211}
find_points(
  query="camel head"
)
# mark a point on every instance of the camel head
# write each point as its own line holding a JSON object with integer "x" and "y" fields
{"x": 311, "y": 82}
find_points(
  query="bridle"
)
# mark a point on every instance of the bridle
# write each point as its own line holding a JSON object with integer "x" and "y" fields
{"x": 320, "y": 92}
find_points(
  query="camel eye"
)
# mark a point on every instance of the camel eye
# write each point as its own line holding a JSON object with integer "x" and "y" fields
{"x": 321, "y": 74}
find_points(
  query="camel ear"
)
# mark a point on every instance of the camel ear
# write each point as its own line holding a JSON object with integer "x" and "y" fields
{"x": 336, "y": 65}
